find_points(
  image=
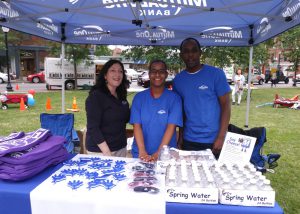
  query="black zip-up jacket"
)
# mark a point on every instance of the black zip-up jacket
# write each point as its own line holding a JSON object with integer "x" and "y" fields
{"x": 106, "y": 121}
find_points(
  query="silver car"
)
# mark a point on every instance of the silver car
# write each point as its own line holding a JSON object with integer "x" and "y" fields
{"x": 3, "y": 77}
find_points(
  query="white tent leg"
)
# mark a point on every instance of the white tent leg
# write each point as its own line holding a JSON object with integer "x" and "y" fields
{"x": 62, "y": 78}
{"x": 249, "y": 87}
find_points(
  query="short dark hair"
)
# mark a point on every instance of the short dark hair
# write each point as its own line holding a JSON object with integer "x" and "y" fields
{"x": 101, "y": 82}
{"x": 157, "y": 61}
{"x": 190, "y": 39}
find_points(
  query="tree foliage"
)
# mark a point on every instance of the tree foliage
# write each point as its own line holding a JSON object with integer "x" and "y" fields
{"x": 290, "y": 41}
{"x": 217, "y": 56}
{"x": 103, "y": 50}
{"x": 169, "y": 54}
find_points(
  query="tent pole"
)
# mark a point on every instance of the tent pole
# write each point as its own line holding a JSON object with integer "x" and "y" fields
{"x": 62, "y": 78}
{"x": 249, "y": 87}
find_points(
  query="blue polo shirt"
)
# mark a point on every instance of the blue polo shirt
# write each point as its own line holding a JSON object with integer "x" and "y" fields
{"x": 154, "y": 114}
{"x": 200, "y": 94}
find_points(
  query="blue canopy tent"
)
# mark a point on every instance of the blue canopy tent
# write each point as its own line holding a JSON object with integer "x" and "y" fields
{"x": 152, "y": 22}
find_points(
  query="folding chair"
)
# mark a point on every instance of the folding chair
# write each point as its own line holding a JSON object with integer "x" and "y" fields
{"x": 61, "y": 125}
{"x": 258, "y": 159}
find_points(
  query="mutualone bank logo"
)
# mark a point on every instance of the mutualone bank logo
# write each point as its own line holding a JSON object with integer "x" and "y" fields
{"x": 264, "y": 27}
{"x": 292, "y": 10}
{"x": 156, "y": 7}
{"x": 90, "y": 32}
{"x": 7, "y": 11}
{"x": 221, "y": 34}
{"x": 46, "y": 24}
{"x": 156, "y": 34}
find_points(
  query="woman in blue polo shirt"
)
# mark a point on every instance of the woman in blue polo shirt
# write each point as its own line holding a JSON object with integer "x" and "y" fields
{"x": 155, "y": 113}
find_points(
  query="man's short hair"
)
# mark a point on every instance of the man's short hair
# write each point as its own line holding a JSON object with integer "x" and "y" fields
{"x": 187, "y": 39}
{"x": 157, "y": 61}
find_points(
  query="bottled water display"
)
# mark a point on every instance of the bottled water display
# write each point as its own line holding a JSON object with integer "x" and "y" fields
{"x": 239, "y": 177}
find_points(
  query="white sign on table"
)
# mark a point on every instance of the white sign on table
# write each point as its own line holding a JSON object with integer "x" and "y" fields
{"x": 237, "y": 148}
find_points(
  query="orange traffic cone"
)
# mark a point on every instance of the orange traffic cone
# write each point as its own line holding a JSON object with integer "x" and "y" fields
{"x": 17, "y": 87}
{"x": 74, "y": 105}
{"x": 22, "y": 105}
{"x": 48, "y": 104}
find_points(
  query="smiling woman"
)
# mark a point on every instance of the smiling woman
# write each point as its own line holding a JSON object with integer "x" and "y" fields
{"x": 155, "y": 113}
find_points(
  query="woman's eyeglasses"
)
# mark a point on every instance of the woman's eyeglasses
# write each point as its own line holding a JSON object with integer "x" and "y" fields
{"x": 160, "y": 71}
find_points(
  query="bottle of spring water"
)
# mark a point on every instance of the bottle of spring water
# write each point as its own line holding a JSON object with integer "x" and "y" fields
{"x": 163, "y": 159}
{"x": 165, "y": 153}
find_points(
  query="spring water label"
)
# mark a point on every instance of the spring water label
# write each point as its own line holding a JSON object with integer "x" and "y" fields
{"x": 248, "y": 198}
{"x": 192, "y": 195}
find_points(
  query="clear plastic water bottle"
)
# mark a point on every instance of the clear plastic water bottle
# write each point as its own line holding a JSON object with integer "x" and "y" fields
{"x": 266, "y": 185}
{"x": 164, "y": 160}
{"x": 165, "y": 154}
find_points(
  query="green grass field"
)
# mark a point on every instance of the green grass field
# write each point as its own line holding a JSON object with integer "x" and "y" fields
{"x": 282, "y": 125}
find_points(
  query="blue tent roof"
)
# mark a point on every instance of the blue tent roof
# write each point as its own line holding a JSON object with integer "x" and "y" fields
{"x": 152, "y": 22}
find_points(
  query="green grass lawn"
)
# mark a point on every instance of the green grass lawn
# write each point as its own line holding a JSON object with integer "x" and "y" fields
{"x": 283, "y": 132}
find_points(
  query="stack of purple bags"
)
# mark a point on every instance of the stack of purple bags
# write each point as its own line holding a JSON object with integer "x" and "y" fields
{"x": 23, "y": 155}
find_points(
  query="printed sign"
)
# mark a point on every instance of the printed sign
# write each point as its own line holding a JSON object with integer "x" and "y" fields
{"x": 192, "y": 195}
{"x": 248, "y": 198}
{"x": 237, "y": 148}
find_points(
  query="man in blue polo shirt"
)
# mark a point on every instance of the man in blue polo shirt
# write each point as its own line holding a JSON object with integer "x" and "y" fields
{"x": 206, "y": 103}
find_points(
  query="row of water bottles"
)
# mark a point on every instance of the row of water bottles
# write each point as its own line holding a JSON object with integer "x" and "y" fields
{"x": 239, "y": 177}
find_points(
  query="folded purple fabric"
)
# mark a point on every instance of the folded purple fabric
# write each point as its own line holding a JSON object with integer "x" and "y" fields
{"x": 44, "y": 163}
{"x": 12, "y": 136}
{"x": 43, "y": 149}
{"x": 28, "y": 141}
{"x": 13, "y": 168}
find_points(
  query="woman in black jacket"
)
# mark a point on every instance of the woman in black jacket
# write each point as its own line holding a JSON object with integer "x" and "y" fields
{"x": 108, "y": 112}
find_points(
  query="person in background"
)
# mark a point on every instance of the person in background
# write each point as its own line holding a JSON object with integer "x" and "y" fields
{"x": 107, "y": 112}
{"x": 239, "y": 81}
{"x": 206, "y": 102}
{"x": 274, "y": 79}
{"x": 155, "y": 113}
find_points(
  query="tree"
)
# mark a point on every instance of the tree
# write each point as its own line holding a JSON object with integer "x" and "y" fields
{"x": 103, "y": 50}
{"x": 169, "y": 54}
{"x": 291, "y": 42}
{"x": 217, "y": 56}
{"x": 225, "y": 56}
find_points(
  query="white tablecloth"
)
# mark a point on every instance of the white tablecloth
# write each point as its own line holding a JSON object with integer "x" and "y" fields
{"x": 50, "y": 198}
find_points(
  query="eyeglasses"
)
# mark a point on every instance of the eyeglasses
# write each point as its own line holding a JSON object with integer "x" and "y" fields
{"x": 160, "y": 71}
{"x": 192, "y": 50}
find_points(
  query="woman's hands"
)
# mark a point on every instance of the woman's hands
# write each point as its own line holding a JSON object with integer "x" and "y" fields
{"x": 144, "y": 156}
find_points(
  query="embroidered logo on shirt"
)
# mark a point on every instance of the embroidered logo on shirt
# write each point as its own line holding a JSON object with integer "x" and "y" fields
{"x": 161, "y": 111}
{"x": 203, "y": 87}
{"x": 124, "y": 102}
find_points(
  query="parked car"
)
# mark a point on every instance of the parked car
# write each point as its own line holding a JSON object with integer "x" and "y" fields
{"x": 280, "y": 77}
{"x": 3, "y": 77}
{"x": 143, "y": 80}
{"x": 132, "y": 74}
{"x": 36, "y": 78}
{"x": 257, "y": 77}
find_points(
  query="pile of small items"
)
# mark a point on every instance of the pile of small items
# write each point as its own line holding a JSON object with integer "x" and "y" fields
{"x": 91, "y": 172}
{"x": 144, "y": 179}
